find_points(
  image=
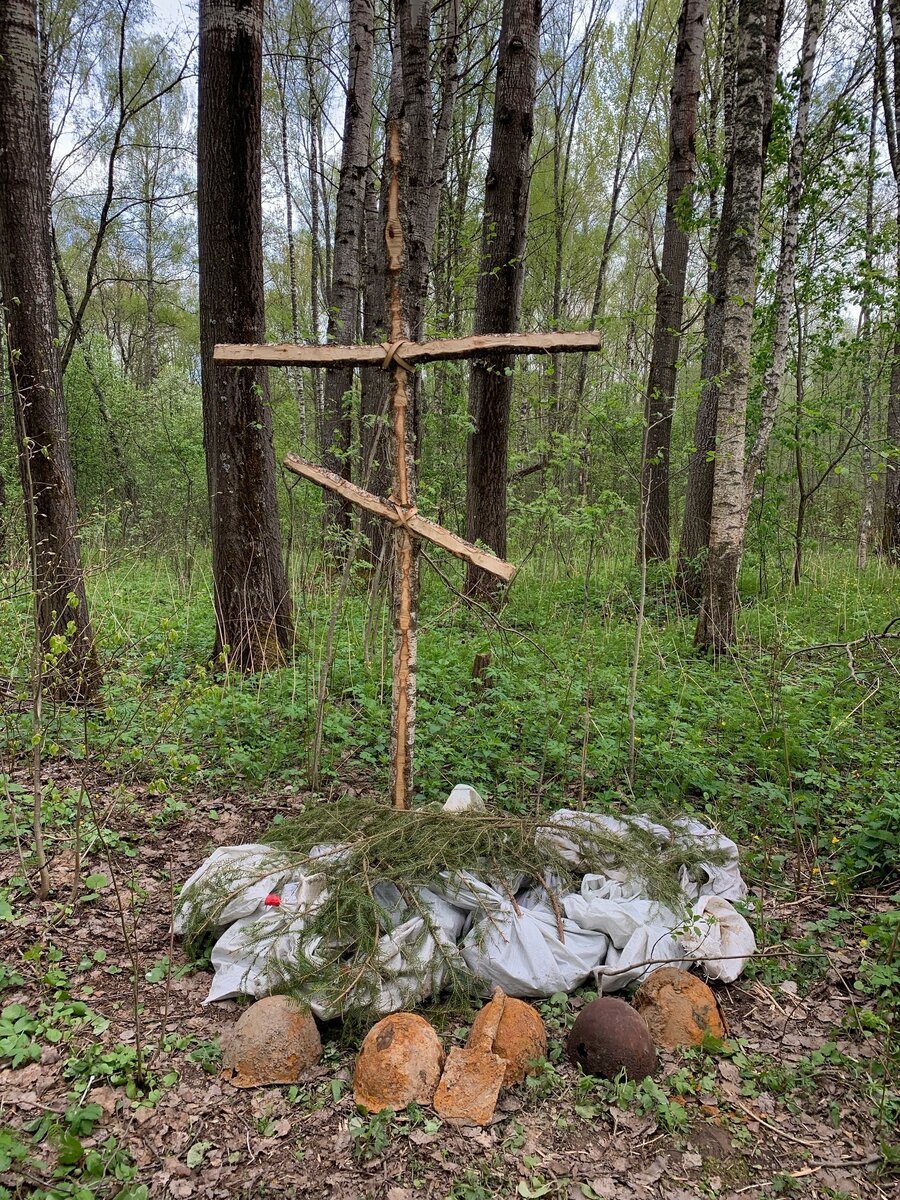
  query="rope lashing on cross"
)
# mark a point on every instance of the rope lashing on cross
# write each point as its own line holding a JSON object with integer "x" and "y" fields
{"x": 404, "y": 512}
{"x": 392, "y": 357}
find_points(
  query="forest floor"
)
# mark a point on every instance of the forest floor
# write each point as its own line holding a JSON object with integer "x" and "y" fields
{"x": 796, "y": 1100}
{"x": 109, "y": 1061}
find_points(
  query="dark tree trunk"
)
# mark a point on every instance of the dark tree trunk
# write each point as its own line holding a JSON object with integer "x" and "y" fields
{"x": 4, "y": 395}
{"x": 422, "y": 173}
{"x": 151, "y": 373}
{"x": 26, "y": 281}
{"x": 890, "y": 537}
{"x": 698, "y": 496}
{"x": 804, "y": 488}
{"x": 661, "y": 379}
{"x": 440, "y": 153}
{"x": 498, "y": 293}
{"x": 375, "y": 383}
{"x": 278, "y": 66}
{"x": 864, "y": 335}
{"x": 416, "y": 183}
{"x": 253, "y": 609}
{"x": 316, "y": 289}
{"x": 343, "y": 323}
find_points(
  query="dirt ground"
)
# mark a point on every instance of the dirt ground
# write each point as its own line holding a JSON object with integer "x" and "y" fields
{"x": 791, "y": 1106}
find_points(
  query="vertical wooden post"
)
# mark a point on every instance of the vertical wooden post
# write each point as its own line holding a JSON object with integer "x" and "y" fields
{"x": 405, "y": 574}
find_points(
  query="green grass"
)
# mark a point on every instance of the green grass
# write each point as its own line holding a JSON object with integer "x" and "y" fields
{"x": 770, "y": 746}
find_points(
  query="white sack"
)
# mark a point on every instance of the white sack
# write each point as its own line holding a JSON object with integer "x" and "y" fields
{"x": 562, "y": 833}
{"x": 611, "y": 929}
{"x": 638, "y": 929}
{"x": 567, "y": 831}
{"x": 521, "y": 951}
{"x": 720, "y": 940}
{"x": 242, "y": 955}
{"x": 255, "y": 953}
{"x": 712, "y": 879}
{"x": 246, "y": 873}
{"x": 464, "y": 798}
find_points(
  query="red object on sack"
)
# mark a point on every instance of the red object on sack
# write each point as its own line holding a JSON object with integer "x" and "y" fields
{"x": 272, "y": 900}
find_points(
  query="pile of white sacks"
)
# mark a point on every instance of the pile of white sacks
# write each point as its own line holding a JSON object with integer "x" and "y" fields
{"x": 613, "y": 934}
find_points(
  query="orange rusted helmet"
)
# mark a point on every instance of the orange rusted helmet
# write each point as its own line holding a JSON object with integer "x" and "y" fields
{"x": 679, "y": 1008}
{"x": 400, "y": 1061}
{"x": 273, "y": 1042}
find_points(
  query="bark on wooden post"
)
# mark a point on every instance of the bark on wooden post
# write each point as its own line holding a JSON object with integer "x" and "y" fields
{"x": 399, "y": 510}
{"x": 405, "y": 568}
{"x": 399, "y": 355}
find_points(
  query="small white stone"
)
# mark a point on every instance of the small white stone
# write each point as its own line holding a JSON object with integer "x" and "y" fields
{"x": 464, "y": 798}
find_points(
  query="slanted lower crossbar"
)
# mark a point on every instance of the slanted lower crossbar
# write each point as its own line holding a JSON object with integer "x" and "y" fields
{"x": 418, "y": 525}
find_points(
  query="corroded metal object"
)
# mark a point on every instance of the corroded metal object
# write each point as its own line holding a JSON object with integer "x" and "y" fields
{"x": 274, "y": 1041}
{"x": 608, "y": 1037}
{"x": 400, "y": 1062}
{"x": 520, "y": 1037}
{"x": 679, "y": 1008}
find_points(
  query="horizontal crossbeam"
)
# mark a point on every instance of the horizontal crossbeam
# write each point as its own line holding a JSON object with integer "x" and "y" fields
{"x": 418, "y": 525}
{"x": 477, "y": 346}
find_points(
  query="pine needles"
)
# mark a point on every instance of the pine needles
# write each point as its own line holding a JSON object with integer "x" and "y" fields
{"x": 377, "y": 861}
{"x": 412, "y": 848}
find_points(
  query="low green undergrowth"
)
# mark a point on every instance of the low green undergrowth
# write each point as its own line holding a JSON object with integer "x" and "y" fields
{"x": 779, "y": 743}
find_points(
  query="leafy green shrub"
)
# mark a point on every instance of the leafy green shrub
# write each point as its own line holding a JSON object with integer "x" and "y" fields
{"x": 872, "y": 849}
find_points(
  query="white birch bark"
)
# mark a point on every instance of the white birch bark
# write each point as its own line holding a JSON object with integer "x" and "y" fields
{"x": 716, "y": 625}
{"x": 865, "y": 336}
{"x": 773, "y": 380}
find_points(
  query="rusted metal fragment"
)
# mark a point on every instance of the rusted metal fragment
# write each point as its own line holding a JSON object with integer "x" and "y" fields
{"x": 520, "y": 1037}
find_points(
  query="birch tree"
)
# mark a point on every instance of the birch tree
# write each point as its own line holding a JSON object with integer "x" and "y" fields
{"x": 698, "y": 502}
{"x": 716, "y": 624}
{"x": 773, "y": 380}
{"x": 344, "y": 308}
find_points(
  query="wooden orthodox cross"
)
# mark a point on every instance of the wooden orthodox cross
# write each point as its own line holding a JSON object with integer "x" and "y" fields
{"x": 401, "y": 356}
